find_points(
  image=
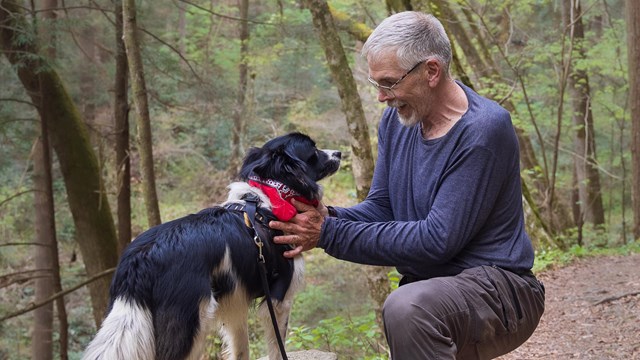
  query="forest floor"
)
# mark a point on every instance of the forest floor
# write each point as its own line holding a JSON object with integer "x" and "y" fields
{"x": 592, "y": 312}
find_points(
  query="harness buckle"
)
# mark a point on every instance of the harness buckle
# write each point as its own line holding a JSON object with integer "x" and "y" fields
{"x": 247, "y": 222}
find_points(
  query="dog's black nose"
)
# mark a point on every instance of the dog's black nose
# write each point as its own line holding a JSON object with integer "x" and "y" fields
{"x": 337, "y": 154}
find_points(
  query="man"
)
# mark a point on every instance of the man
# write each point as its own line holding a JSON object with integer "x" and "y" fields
{"x": 445, "y": 206}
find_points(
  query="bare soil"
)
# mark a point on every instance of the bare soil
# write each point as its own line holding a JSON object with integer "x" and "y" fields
{"x": 592, "y": 312}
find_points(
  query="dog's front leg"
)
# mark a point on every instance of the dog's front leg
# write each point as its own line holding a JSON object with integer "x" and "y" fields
{"x": 282, "y": 311}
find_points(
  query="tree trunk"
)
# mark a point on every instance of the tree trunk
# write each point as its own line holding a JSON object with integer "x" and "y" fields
{"x": 585, "y": 163}
{"x": 379, "y": 285}
{"x": 63, "y": 323}
{"x": 347, "y": 89}
{"x": 394, "y": 6}
{"x": 633, "y": 38}
{"x": 42, "y": 334}
{"x": 46, "y": 257}
{"x": 345, "y": 22}
{"x": 44, "y": 221}
{"x": 452, "y": 27}
{"x": 239, "y": 113}
{"x": 78, "y": 164}
{"x": 121, "y": 120}
{"x": 46, "y": 252}
{"x": 140, "y": 99}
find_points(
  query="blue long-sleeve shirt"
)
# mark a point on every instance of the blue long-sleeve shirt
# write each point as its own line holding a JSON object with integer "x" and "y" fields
{"x": 437, "y": 207}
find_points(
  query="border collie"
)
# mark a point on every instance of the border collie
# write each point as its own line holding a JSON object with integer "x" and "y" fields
{"x": 180, "y": 280}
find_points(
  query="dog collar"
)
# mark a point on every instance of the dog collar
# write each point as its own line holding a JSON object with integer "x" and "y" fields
{"x": 280, "y": 196}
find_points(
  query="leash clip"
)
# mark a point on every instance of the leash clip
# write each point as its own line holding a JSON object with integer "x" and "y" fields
{"x": 249, "y": 218}
{"x": 259, "y": 244}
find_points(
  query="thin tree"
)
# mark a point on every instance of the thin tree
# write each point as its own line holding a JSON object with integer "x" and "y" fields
{"x": 46, "y": 252}
{"x": 378, "y": 281}
{"x": 587, "y": 178}
{"x": 348, "y": 91}
{"x": 46, "y": 257}
{"x": 121, "y": 120}
{"x": 44, "y": 221}
{"x": 633, "y": 39}
{"x": 140, "y": 99}
{"x": 239, "y": 110}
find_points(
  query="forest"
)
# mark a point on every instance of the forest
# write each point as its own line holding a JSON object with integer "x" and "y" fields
{"x": 119, "y": 115}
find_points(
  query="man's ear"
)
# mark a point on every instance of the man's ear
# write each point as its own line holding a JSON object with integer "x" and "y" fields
{"x": 434, "y": 72}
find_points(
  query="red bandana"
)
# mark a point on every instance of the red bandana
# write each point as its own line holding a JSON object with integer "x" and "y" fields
{"x": 280, "y": 196}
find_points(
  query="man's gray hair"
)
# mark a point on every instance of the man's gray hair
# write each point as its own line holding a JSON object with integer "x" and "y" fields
{"x": 413, "y": 36}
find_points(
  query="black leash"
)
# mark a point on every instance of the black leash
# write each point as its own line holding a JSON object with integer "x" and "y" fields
{"x": 250, "y": 217}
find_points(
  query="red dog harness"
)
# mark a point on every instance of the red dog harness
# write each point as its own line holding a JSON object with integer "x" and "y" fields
{"x": 280, "y": 196}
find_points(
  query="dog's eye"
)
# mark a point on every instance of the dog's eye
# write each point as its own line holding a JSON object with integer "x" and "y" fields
{"x": 313, "y": 158}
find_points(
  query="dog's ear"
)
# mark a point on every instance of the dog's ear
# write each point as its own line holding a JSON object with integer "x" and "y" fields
{"x": 266, "y": 163}
{"x": 296, "y": 174}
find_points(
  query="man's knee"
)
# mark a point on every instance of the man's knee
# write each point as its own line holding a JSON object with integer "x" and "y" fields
{"x": 395, "y": 308}
{"x": 400, "y": 305}
{"x": 418, "y": 318}
{"x": 427, "y": 300}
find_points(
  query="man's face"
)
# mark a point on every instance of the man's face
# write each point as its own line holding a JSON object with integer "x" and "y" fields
{"x": 399, "y": 88}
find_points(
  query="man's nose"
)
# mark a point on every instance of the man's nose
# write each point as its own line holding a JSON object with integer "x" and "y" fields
{"x": 385, "y": 95}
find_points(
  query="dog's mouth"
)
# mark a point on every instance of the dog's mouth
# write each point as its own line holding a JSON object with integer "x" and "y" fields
{"x": 331, "y": 169}
{"x": 332, "y": 165}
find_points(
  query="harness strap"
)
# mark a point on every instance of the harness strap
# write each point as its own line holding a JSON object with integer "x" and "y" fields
{"x": 250, "y": 211}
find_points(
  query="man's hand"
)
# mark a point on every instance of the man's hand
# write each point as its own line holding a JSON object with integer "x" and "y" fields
{"x": 302, "y": 231}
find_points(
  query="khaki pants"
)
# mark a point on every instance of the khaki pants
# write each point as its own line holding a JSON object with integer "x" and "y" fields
{"x": 482, "y": 313}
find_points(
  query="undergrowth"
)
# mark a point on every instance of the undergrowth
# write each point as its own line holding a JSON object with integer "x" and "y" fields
{"x": 547, "y": 259}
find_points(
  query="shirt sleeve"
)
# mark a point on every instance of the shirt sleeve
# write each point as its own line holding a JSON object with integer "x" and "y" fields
{"x": 377, "y": 206}
{"x": 462, "y": 204}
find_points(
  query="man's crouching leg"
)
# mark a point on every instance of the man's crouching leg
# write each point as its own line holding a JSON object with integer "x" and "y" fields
{"x": 473, "y": 315}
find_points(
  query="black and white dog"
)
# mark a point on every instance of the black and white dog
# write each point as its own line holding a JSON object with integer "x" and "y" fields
{"x": 179, "y": 280}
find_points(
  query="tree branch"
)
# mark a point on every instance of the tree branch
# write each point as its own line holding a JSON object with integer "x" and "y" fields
{"x": 22, "y": 244}
{"x": 19, "y": 101}
{"x": 222, "y": 15}
{"x": 22, "y": 276}
{"x": 174, "y": 50}
{"x": 57, "y": 295}
{"x": 614, "y": 298}
{"x": 15, "y": 196}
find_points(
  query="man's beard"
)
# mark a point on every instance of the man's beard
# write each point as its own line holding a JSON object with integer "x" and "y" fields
{"x": 405, "y": 121}
{"x": 408, "y": 122}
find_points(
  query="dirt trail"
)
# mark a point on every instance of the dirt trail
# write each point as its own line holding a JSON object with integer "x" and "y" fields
{"x": 592, "y": 312}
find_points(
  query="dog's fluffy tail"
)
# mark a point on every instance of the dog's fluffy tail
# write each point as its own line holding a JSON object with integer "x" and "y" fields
{"x": 126, "y": 333}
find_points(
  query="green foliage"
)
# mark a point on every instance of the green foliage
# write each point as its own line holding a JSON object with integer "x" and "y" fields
{"x": 549, "y": 258}
{"x": 350, "y": 338}
{"x": 394, "y": 278}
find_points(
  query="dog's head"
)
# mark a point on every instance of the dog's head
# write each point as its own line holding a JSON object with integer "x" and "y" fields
{"x": 292, "y": 160}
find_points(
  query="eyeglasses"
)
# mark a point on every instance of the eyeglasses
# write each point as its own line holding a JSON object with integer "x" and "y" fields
{"x": 388, "y": 90}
